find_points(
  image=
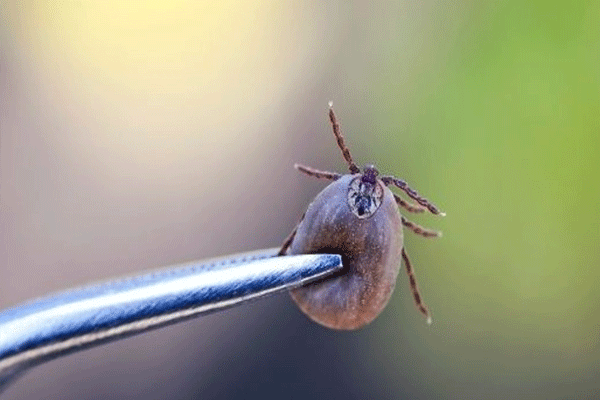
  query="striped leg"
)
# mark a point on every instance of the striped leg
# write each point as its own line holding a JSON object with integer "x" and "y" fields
{"x": 414, "y": 289}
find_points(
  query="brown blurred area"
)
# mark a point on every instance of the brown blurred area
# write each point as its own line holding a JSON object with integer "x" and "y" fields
{"x": 122, "y": 152}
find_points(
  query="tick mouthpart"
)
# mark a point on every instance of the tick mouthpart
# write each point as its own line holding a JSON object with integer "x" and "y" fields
{"x": 370, "y": 174}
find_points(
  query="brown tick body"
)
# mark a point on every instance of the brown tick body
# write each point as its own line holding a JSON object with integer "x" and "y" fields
{"x": 356, "y": 216}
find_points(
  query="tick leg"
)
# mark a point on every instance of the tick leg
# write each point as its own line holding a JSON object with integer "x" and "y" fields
{"x": 407, "y": 206}
{"x": 288, "y": 240}
{"x": 332, "y": 176}
{"x": 413, "y": 287}
{"x": 340, "y": 141}
{"x": 419, "y": 230}
{"x": 400, "y": 184}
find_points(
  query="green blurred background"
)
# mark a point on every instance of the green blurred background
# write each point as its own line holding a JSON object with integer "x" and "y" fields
{"x": 144, "y": 134}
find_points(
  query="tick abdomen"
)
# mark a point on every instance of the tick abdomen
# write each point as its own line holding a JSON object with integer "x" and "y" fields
{"x": 371, "y": 250}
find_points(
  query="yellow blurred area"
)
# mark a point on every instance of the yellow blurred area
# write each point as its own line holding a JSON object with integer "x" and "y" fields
{"x": 157, "y": 81}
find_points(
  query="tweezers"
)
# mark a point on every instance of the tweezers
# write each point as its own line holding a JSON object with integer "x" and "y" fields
{"x": 81, "y": 318}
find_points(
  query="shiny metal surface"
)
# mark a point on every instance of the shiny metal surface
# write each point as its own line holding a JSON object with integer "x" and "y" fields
{"x": 80, "y": 318}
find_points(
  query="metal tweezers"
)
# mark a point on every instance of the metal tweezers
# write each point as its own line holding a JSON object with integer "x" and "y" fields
{"x": 80, "y": 318}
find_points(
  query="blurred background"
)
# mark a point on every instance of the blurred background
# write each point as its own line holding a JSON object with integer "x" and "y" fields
{"x": 140, "y": 135}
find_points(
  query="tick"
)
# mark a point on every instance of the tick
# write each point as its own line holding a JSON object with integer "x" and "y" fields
{"x": 356, "y": 216}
